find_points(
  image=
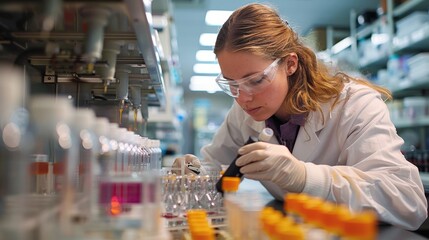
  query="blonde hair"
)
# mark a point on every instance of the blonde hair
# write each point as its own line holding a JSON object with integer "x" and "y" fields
{"x": 258, "y": 29}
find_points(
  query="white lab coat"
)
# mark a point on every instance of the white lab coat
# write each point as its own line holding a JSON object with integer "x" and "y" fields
{"x": 353, "y": 157}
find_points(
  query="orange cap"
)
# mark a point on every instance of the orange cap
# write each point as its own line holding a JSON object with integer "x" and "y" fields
{"x": 361, "y": 225}
{"x": 230, "y": 184}
{"x": 291, "y": 232}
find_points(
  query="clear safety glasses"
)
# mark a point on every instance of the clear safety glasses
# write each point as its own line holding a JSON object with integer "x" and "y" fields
{"x": 251, "y": 84}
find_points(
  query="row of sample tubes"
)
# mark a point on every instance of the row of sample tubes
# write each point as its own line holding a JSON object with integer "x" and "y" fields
{"x": 181, "y": 193}
{"x": 309, "y": 217}
{"x": 301, "y": 217}
{"x": 238, "y": 216}
{"x": 66, "y": 172}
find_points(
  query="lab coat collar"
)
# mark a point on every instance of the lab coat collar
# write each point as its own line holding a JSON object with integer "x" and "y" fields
{"x": 307, "y": 137}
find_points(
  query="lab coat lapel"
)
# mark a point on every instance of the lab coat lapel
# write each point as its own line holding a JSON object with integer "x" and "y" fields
{"x": 307, "y": 139}
{"x": 305, "y": 143}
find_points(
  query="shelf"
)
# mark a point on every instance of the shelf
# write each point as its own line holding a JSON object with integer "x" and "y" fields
{"x": 410, "y": 6}
{"x": 412, "y": 123}
{"x": 135, "y": 35}
{"x": 139, "y": 11}
{"x": 425, "y": 180}
{"x": 374, "y": 64}
{"x": 364, "y": 31}
{"x": 416, "y": 41}
{"x": 407, "y": 88}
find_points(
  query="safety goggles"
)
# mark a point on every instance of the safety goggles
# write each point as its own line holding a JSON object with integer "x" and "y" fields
{"x": 251, "y": 84}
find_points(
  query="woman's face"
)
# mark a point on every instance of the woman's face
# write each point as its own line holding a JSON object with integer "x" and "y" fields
{"x": 266, "y": 103}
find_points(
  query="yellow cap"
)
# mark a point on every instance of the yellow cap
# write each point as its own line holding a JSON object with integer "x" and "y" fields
{"x": 264, "y": 214}
{"x": 284, "y": 224}
{"x": 270, "y": 221}
{"x": 199, "y": 225}
{"x": 230, "y": 184}
{"x": 334, "y": 217}
{"x": 294, "y": 202}
{"x": 311, "y": 210}
{"x": 290, "y": 232}
{"x": 203, "y": 233}
{"x": 196, "y": 212}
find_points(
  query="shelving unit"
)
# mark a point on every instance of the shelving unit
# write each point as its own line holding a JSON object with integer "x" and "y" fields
{"x": 409, "y": 44}
{"x": 60, "y": 67}
{"x": 397, "y": 45}
{"x": 415, "y": 42}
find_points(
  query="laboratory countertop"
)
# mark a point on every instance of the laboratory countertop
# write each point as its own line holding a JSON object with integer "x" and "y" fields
{"x": 385, "y": 231}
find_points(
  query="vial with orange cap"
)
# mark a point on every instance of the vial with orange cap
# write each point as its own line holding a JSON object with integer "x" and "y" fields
{"x": 230, "y": 187}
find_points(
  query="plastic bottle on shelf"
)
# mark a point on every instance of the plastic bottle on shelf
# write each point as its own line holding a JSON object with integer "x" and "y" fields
{"x": 158, "y": 153}
{"x": 83, "y": 126}
{"x": 101, "y": 167}
{"x": 113, "y": 136}
{"x": 84, "y": 122}
{"x": 123, "y": 151}
{"x": 394, "y": 70}
{"x": 145, "y": 162}
{"x": 139, "y": 154}
{"x": 50, "y": 125}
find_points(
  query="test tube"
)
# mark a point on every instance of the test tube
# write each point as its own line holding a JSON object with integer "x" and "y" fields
{"x": 39, "y": 171}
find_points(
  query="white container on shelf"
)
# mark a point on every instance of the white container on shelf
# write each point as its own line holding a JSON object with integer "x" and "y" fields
{"x": 419, "y": 60}
{"x": 419, "y": 67}
{"x": 415, "y": 107}
{"x": 411, "y": 23}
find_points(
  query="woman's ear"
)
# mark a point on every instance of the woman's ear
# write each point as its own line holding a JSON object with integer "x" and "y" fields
{"x": 291, "y": 63}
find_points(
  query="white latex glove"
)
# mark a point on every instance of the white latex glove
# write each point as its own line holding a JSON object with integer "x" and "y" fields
{"x": 272, "y": 162}
{"x": 192, "y": 164}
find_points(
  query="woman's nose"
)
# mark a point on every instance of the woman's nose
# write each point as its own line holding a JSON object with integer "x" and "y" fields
{"x": 244, "y": 96}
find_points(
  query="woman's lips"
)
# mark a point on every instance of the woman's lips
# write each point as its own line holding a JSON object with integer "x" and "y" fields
{"x": 252, "y": 111}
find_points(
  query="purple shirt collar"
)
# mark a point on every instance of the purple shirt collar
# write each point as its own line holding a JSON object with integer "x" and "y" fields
{"x": 286, "y": 133}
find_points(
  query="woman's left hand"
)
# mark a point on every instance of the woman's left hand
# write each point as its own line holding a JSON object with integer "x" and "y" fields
{"x": 266, "y": 161}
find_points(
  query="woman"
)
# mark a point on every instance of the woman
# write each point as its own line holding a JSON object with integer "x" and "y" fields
{"x": 333, "y": 135}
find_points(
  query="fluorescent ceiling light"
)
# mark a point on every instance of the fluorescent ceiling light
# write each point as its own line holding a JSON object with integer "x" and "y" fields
{"x": 208, "y": 39}
{"x": 204, "y": 83}
{"x": 205, "y": 56}
{"x": 207, "y": 68}
{"x": 217, "y": 17}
